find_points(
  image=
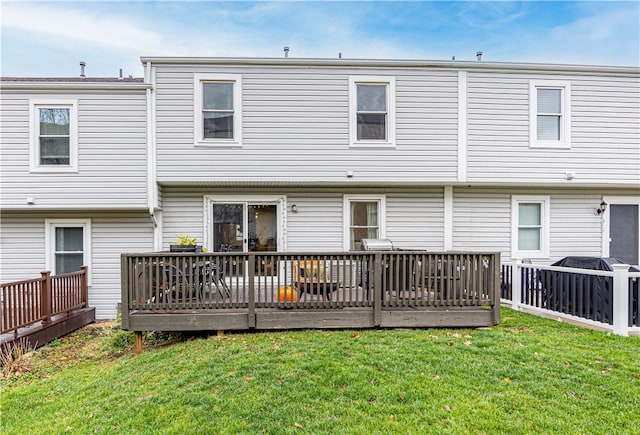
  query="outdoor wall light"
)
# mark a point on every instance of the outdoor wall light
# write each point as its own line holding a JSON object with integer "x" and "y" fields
{"x": 294, "y": 208}
{"x": 603, "y": 207}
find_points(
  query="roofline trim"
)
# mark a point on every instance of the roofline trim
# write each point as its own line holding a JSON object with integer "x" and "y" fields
{"x": 325, "y": 62}
{"x": 74, "y": 86}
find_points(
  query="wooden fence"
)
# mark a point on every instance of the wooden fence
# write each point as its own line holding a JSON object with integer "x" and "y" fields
{"x": 178, "y": 291}
{"x": 30, "y": 301}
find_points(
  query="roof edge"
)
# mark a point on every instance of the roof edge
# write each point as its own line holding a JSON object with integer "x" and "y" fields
{"x": 342, "y": 62}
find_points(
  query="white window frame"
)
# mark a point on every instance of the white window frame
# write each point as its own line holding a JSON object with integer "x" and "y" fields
{"x": 198, "y": 80}
{"x": 50, "y": 242}
{"x": 390, "y": 82}
{"x": 34, "y": 134}
{"x": 346, "y": 207}
{"x": 565, "y": 106}
{"x": 281, "y": 207}
{"x": 545, "y": 220}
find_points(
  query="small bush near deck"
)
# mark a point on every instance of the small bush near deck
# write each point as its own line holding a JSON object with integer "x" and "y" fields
{"x": 527, "y": 375}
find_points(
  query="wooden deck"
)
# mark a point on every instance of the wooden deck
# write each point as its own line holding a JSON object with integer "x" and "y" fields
{"x": 177, "y": 292}
{"x": 40, "y": 333}
{"x": 38, "y": 310}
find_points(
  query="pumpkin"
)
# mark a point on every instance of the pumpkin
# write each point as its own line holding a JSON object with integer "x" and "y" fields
{"x": 286, "y": 294}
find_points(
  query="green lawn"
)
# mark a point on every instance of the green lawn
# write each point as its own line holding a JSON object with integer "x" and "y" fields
{"x": 527, "y": 375}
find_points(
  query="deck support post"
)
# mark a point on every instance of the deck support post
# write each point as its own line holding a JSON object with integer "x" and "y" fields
{"x": 137, "y": 339}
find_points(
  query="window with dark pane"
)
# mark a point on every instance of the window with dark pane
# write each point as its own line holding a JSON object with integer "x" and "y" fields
{"x": 54, "y": 136}
{"x": 217, "y": 110}
{"x": 371, "y": 112}
{"x": 69, "y": 249}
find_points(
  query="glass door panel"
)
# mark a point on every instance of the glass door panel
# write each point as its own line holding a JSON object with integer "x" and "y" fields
{"x": 263, "y": 227}
{"x": 262, "y": 223}
{"x": 228, "y": 228}
{"x": 228, "y": 234}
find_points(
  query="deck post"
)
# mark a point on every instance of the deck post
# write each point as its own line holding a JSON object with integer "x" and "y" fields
{"x": 495, "y": 300}
{"x": 45, "y": 297}
{"x": 621, "y": 299}
{"x": 137, "y": 338}
{"x": 85, "y": 286}
{"x": 124, "y": 290}
{"x": 377, "y": 289}
{"x": 251, "y": 264}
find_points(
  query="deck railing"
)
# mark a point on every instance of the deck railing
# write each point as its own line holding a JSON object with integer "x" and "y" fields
{"x": 33, "y": 300}
{"x": 165, "y": 283}
{"x": 608, "y": 299}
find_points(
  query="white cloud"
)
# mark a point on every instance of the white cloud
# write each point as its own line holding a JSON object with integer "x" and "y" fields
{"x": 81, "y": 27}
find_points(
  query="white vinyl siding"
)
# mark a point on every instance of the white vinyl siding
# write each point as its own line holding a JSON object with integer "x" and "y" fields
{"x": 605, "y": 132}
{"x": 23, "y": 243}
{"x": 53, "y": 127}
{"x": 217, "y": 109}
{"x": 550, "y": 114}
{"x": 296, "y": 128}
{"x": 111, "y": 140}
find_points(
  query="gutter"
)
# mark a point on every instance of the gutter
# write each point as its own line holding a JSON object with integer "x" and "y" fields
{"x": 50, "y": 86}
{"x": 152, "y": 185}
{"x": 377, "y": 63}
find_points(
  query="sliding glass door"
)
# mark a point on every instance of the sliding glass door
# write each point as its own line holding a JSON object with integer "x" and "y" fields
{"x": 245, "y": 226}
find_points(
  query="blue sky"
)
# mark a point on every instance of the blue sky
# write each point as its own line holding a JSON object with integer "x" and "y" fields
{"x": 50, "y": 38}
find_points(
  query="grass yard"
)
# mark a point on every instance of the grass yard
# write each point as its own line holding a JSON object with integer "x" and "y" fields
{"x": 527, "y": 375}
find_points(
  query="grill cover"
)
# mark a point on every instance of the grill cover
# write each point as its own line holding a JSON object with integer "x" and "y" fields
{"x": 377, "y": 245}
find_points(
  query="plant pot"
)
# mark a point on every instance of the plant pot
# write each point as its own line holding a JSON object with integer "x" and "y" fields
{"x": 186, "y": 248}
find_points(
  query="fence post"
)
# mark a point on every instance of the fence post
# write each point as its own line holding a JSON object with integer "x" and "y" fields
{"x": 516, "y": 284}
{"x": 495, "y": 266}
{"x": 621, "y": 299}
{"x": 85, "y": 286}
{"x": 251, "y": 265}
{"x": 124, "y": 290}
{"x": 377, "y": 289}
{"x": 45, "y": 297}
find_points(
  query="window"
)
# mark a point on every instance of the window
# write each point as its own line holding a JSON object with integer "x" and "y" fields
{"x": 218, "y": 118}
{"x": 364, "y": 219}
{"x": 372, "y": 111}
{"x": 550, "y": 117}
{"x": 67, "y": 245}
{"x": 530, "y": 227}
{"x": 53, "y": 126}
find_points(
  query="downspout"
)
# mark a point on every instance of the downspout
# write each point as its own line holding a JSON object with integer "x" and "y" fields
{"x": 152, "y": 185}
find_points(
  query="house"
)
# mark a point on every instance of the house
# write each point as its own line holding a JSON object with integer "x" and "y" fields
{"x": 251, "y": 154}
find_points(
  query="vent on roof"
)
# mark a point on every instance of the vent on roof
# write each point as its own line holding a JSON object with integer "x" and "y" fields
{"x": 82, "y": 65}
{"x": 479, "y": 55}
{"x": 286, "y": 51}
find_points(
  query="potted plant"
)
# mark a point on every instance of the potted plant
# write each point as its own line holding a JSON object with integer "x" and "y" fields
{"x": 186, "y": 243}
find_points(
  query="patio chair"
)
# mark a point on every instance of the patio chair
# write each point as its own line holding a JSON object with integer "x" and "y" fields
{"x": 310, "y": 278}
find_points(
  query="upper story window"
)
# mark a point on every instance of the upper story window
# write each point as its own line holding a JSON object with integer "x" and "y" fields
{"x": 530, "y": 227}
{"x": 550, "y": 114}
{"x": 217, "y": 109}
{"x": 53, "y": 126}
{"x": 364, "y": 219}
{"x": 372, "y": 111}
